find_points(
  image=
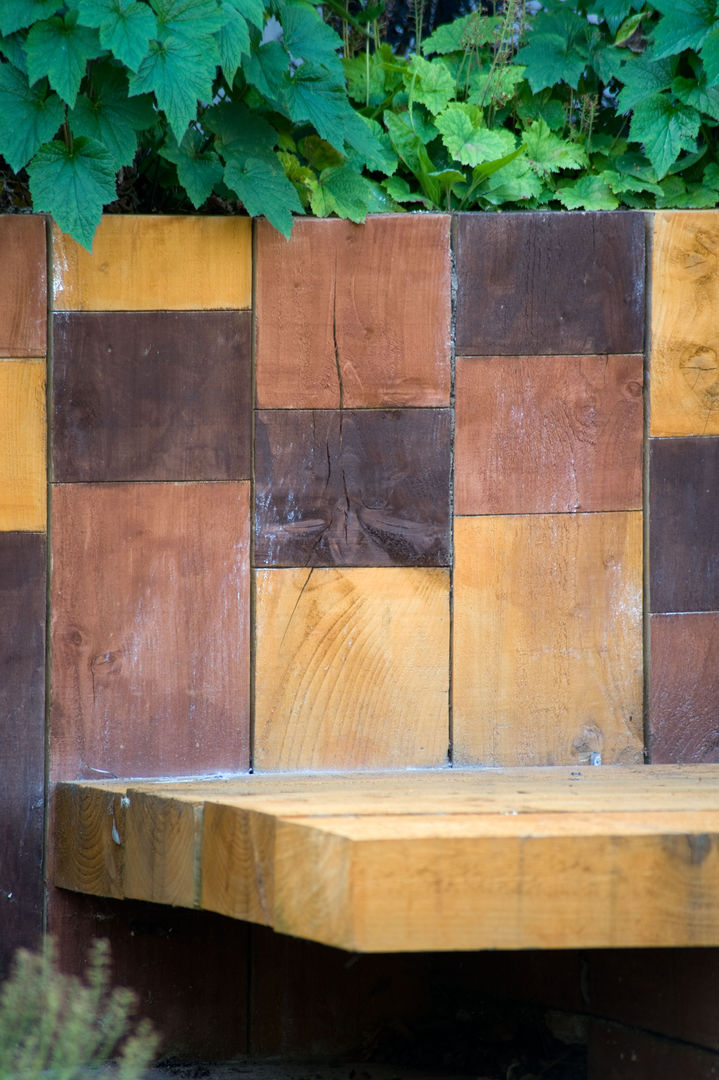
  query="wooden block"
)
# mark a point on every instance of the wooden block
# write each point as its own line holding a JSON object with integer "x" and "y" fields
{"x": 684, "y": 367}
{"x": 156, "y": 263}
{"x": 152, "y": 395}
{"x": 684, "y": 688}
{"x": 150, "y": 629}
{"x": 684, "y": 525}
{"x": 22, "y": 740}
{"x": 352, "y": 488}
{"x": 237, "y": 868}
{"x": 161, "y": 841}
{"x": 23, "y": 466}
{"x": 90, "y": 821}
{"x": 354, "y": 315}
{"x": 546, "y": 434}
{"x": 548, "y": 639}
{"x": 619, "y": 1053}
{"x": 351, "y": 668}
{"x": 549, "y": 284}
{"x": 23, "y": 296}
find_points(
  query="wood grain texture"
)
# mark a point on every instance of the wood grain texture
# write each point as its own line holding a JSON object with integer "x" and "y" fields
{"x": 352, "y": 668}
{"x": 352, "y": 488}
{"x": 23, "y": 467}
{"x": 684, "y": 524}
{"x": 23, "y": 296}
{"x": 354, "y": 315}
{"x": 684, "y": 688}
{"x": 549, "y": 284}
{"x": 155, "y": 263}
{"x": 150, "y": 629}
{"x": 548, "y": 639}
{"x": 546, "y": 434}
{"x": 152, "y": 395}
{"x": 22, "y": 740}
{"x": 684, "y": 360}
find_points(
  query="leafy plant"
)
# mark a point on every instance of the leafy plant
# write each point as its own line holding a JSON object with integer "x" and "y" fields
{"x": 55, "y": 1026}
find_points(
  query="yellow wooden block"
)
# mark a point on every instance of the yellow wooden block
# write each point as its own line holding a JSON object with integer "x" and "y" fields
{"x": 548, "y": 639}
{"x": 155, "y": 264}
{"x": 22, "y": 445}
{"x": 352, "y": 668}
{"x": 684, "y": 364}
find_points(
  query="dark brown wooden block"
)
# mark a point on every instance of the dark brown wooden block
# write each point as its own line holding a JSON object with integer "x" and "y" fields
{"x": 23, "y": 294}
{"x": 22, "y": 739}
{"x": 150, "y": 629}
{"x": 684, "y": 524}
{"x": 352, "y": 488}
{"x": 684, "y": 688}
{"x": 152, "y": 395}
{"x": 547, "y": 283}
{"x": 548, "y": 434}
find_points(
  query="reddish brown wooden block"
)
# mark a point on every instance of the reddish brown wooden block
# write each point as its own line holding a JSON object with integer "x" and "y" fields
{"x": 155, "y": 395}
{"x": 22, "y": 739}
{"x": 150, "y": 629}
{"x": 546, "y": 283}
{"x": 684, "y": 524}
{"x": 546, "y": 434}
{"x": 354, "y": 315}
{"x": 352, "y": 488}
{"x": 684, "y": 688}
{"x": 23, "y": 294}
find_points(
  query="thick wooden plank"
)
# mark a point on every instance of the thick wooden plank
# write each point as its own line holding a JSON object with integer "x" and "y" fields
{"x": 150, "y": 629}
{"x": 152, "y": 395}
{"x": 684, "y": 688}
{"x": 547, "y": 641}
{"x": 685, "y": 337}
{"x": 549, "y": 284}
{"x": 22, "y": 739}
{"x": 545, "y": 434}
{"x": 352, "y": 668}
{"x": 23, "y": 296}
{"x": 684, "y": 524}
{"x": 156, "y": 263}
{"x": 354, "y": 316}
{"x": 352, "y": 488}
{"x": 90, "y": 823}
{"x": 23, "y": 467}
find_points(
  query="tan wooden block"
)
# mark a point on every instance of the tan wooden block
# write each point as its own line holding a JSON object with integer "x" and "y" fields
{"x": 156, "y": 263}
{"x": 23, "y": 293}
{"x": 352, "y": 668}
{"x": 684, "y": 364}
{"x": 88, "y": 853}
{"x": 238, "y": 854}
{"x": 548, "y": 639}
{"x": 162, "y": 840}
{"x": 23, "y": 501}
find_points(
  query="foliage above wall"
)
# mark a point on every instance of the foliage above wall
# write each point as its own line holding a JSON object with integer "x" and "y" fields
{"x": 265, "y": 106}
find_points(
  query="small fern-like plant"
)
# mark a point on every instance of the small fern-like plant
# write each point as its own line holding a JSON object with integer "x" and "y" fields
{"x": 59, "y": 1027}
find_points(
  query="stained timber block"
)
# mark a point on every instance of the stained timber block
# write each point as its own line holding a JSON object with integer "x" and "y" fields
{"x": 153, "y": 263}
{"x": 23, "y": 294}
{"x": 684, "y": 688}
{"x": 23, "y": 465}
{"x": 548, "y": 639}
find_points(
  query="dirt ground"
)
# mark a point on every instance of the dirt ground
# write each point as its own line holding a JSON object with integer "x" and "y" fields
{"x": 284, "y": 1070}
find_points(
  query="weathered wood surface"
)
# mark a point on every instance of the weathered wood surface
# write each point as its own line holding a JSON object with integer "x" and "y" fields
{"x": 352, "y": 668}
{"x": 684, "y": 359}
{"x": 684, "y": 524}
{"x": 23, "y": 295}
{"x": 684, "y": 688}
{"x": 354, "y": 316}
{"x": 545, "y": 434}
{"x": 22, "y": 740}
{"x": 152, "y": 395}
{"x": 546, "y": 283}
{"x": 547, "y": 648}
{"x": 150, "y": 629}
{"x": 603, "y": 868}
{"x": 23, "y": 466}
{"x": 352, "y": 488}
{"x": 156, "y": 263}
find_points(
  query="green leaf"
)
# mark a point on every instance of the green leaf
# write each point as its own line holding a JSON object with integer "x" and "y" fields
{"x": 307, "y": 37}
{"x": 319, "y": 153}
{"x": 265, "y": 68}
{"x": 711, "y": 176}
{"x": 252, "y": 10}
{"x": 60, "y": 49}
{"x": 189, "y": 19}
{"x": 73, "y": 185}
{"x": 382, "y": 157}
{"x": 515, "y": 182}
{"x": 588, "y": 193}
{"x": 411, "y": 150}
{"x": 399, "y": 190}
{"x": 357, "y": 68}
{"x": 614, "y": 11}
{"x": 548, "y": 62}
{"x": 264, "y": 189}
{"x": 643, "y": 78}
{"x": 180, "y": 73}
{"x": 198, "y": 170}
{"x": 13, "y": 49}
{"x": 233, "y": 42}
{"x": 342, "y": 191}
{"x": 543, "y": 107}
{"x": 710, "y": 56}
{"x": 696, "y": 93}
{"x": 240, "y": 133}
{"x": 548, "y": 153}
{"x": 430, "y": 83}
{"x": 684, "y": 25}
{"x": 621, "y": 183}
{"x": 313, "y": 98}
{"x": 29, "y": 116}
{"x": 463, "y": 33}
{"x": 110, "y": 116}
{"x": 665, "y": 129}
{"x": 125, "y": 27}
{"x": 628, "y": 27}
{"x": 467, "y": 139}
{"x": 496, "y": 86}
{"x": 17, "y": 14}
